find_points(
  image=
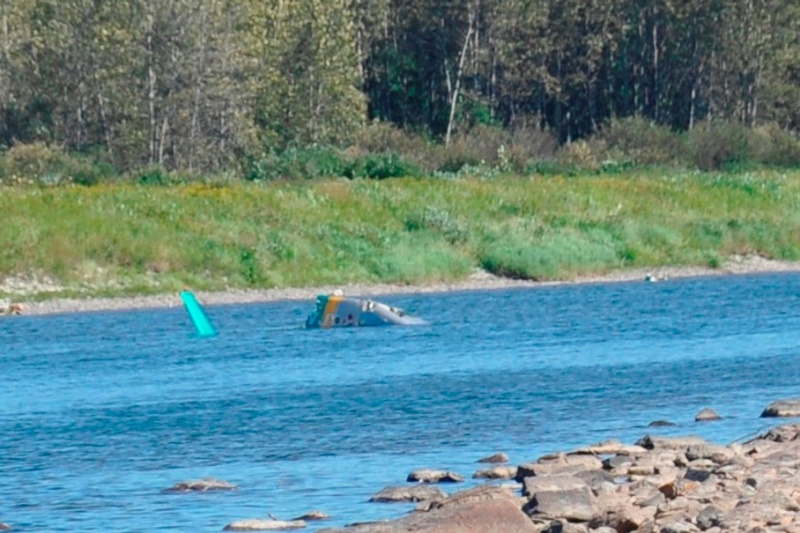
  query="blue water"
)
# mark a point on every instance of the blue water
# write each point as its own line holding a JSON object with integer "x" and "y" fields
{"x": 101, "y": 411}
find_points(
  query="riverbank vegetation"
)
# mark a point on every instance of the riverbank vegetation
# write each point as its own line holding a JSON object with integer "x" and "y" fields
{"x": 134, "y": 238}
{"x": 149, "y": 144}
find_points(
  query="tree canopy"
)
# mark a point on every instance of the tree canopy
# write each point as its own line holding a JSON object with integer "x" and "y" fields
{"x": 197, "y": 84}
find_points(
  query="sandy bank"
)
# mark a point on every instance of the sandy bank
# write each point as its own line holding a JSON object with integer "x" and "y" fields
{"x": 478, "y": 281}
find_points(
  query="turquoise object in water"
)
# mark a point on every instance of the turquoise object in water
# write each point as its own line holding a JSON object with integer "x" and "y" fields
{"x": 198, "y": 315}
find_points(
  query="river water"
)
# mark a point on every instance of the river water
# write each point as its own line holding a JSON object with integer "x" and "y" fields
{"x": 99, "y": 412}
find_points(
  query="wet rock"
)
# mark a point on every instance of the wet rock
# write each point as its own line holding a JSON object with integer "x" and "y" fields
{"x": 426, "y": 475}
{"x": 782, "y": 408}
{"x": 415, "y": 493}
{"x": 706, "y": 415}
{"x": 497, "y": 472}
{"x": 498, "y": 457}
{"x": 661, "y": 423}
{"x": 4, "y": 527}
{"x": 312, "y": 516}
{"x": 201, "y": 485}
{"x": 258, "y": 524}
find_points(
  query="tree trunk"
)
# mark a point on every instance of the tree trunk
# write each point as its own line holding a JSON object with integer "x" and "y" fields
{"x": 459, "y": 73}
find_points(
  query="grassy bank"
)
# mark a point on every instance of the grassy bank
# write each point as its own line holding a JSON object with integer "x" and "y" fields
{"x": 129, "y": 239}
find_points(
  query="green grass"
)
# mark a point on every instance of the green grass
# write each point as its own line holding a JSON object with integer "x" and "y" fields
{"x": 129, "y": 239}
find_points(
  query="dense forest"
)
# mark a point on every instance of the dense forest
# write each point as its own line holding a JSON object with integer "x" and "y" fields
{"x": 202, "y": 85}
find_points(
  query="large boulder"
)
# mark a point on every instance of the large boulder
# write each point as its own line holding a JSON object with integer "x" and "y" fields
{"x": 488, "y": 516}
{"x": 575, "y": 505}
{"x": 782, "y": 408}
{"x": 470, "y": 496}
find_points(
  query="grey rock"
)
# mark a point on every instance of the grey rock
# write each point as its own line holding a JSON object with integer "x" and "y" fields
{"x": 498, "y": 457}
{"x": 709, "y": 517}
{"x": 201, "y": 485}
{"x": 653, "y": 442}
{"x": 707, "y": 415}
{"x": 259, "y": 524}
{"x": 574, "y": 505}
{"x": 661, "y": 423}
{"x": 416, "y": 493}
{"x": 556, "y": 482}
{"x": 782, "y": 408}
{"x": 426, "y": 475}
{"x": 497, "y": 472}
{"x": 312, "y": 516}
{"x": 496, "y": 515}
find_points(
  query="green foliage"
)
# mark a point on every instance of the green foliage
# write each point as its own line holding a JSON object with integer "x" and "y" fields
{"x": 127, "y": 237}
{"x": 518, "y": 256}
{"x": 299, "y": 163}
{"x": 716, "y": 145}
{"x": 39, "y": 164}
{"x": 382, "y": 166}
{"x": 642, "y": 142}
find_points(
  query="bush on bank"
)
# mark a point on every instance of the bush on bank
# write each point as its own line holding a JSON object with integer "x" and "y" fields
{"x": 381, "y": 151}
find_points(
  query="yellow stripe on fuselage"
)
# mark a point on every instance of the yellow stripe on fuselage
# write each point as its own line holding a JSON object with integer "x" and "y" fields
{"x": 330, "y": 311}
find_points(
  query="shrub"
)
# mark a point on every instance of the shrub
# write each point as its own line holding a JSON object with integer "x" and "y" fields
{"x": 771, "y": 145}
{"x": 382, "y": 166}
{"x": 298, "y": 163}
{"x": 40, "y": 164}
{"x": 714, "y": 145}
{"x": 476, "y": 147}
{"x": 637, "y": 140}
{"x": 528, "y": 146}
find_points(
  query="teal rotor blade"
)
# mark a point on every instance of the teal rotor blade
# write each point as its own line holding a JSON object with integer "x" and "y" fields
{"x": 198, "y": 315}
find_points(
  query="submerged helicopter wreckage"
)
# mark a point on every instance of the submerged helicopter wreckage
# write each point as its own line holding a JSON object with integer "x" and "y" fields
{"x": 336, "y": 311}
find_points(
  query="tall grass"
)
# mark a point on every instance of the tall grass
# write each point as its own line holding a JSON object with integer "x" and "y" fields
{"x": 128, "y": 238}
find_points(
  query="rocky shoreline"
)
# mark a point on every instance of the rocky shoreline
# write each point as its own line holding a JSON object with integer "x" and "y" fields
{"x": 657, "y": 485}
{"x": 23, "y": 289}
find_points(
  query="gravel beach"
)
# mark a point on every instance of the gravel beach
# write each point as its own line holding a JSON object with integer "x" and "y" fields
{"x": 479, "y": 280}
